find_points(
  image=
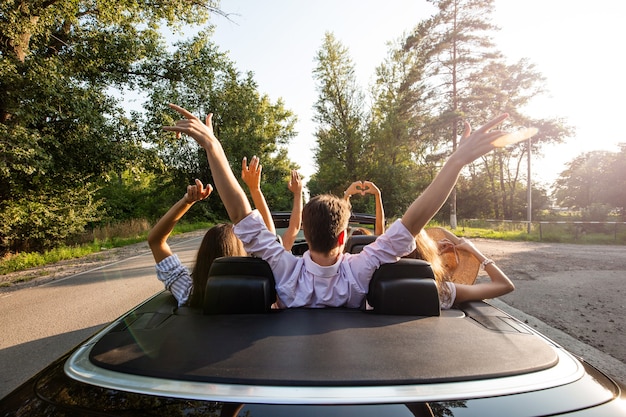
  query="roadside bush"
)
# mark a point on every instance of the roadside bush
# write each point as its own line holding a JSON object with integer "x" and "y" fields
{"x": 46, "y": 220}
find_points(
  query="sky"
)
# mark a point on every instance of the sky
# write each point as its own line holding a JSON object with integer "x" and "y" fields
{"x": 576, "y": 45}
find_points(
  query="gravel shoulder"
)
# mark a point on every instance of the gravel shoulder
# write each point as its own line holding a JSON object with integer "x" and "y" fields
{"x": 578, "y": 290}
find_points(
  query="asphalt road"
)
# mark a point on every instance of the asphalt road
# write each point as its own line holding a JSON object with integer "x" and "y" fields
{"x": 41, "y": 323}
{"x": 573, "y": 294}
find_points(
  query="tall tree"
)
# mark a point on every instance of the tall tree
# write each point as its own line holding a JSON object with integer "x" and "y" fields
{"x": 59, "y": 125}
{"x": 246, "y": 122}
{"x": 339, "y": 112}
{"x": 498, "y": 87}
{"x": 456, "y": 42}
{"x": 468, "y": 79}
{"x": 592, "y": 178}
{"x": 395, "y": 141}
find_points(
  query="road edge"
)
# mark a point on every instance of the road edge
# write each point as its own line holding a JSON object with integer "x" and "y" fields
{"x": 603, "y": 361}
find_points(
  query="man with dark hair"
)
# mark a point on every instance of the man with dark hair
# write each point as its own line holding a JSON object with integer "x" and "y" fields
{"x": 324, "y": 220}
{"x": 324, "y": 276}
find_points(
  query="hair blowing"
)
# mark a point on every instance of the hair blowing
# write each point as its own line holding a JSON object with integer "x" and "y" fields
{"x": 428, "y": 250}
{"x": 219, "y": 240}
{"x": 324, "y": 217}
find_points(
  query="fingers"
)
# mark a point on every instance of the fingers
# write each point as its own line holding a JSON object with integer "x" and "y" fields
{"x": 467, "y": 129}
{"x": 251, "y": 173}
{"x": 202, "y": 191}
{"x": 370, "y": 186}
{"x": 191, "y": 125}
{"x": 493, "y": 122}
{"x": 182, "y": 111}
{"x": 255, "y": 165}
{"x": 191, "y": 192}
{"x": 198, "y": 192}
{"x": 294, "y": 182}
{"x": 482, "y": 135}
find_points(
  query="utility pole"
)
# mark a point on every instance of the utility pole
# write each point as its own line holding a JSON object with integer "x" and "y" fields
{"x": 529, "y": 191}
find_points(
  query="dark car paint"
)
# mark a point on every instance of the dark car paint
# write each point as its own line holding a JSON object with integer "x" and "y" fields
{"x": 52, "y": 393}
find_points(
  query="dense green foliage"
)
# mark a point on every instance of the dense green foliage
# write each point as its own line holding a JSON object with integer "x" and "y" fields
{"x": 72, "y": 158}
{"x": 594, "y": 182}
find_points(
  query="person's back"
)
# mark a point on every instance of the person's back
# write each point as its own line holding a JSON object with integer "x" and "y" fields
{"x": 324, "y": 276}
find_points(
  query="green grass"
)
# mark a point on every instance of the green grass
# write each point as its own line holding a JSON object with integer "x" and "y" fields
{"x": 551, "y": 233}
{"x": 25, "y": 260}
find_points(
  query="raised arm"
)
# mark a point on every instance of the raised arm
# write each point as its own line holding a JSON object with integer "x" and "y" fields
{"x": 251, "y": 175}
{"x": 295, "y": 220}
{"x": 471, "y": 147}
{"x": 499, "y": 285}
{"x": 355, "y": 188}
{"x": 233, "y": 196}
{"x": 371, "y": 188}
{"x": 157, "y": 238}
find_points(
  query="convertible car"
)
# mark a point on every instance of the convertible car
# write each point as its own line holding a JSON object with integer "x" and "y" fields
{"x": 236, "y": 356}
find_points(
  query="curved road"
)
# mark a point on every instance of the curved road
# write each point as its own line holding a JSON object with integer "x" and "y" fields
{"x": 574, "y": 288}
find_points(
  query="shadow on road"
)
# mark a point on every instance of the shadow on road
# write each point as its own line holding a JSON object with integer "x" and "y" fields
{"x": 20, "y": 362}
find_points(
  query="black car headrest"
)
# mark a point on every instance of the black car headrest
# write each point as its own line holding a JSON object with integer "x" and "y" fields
{"x": 406, "y": 287}
{"x": 356, "y": 243}
{"x": 299, "y": 248}
{"x": 239, "y": 285}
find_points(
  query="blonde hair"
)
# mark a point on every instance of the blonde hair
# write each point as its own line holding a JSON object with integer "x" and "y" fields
{"x": 428, "y": 250}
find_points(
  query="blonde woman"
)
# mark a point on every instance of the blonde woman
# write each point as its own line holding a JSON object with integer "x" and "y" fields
{"x": 455, "y": 280}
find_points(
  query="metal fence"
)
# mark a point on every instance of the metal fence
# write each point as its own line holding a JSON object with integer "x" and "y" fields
{"x": 591, "y": 231}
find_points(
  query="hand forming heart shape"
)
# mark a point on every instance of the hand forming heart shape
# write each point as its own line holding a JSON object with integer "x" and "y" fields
{"x": 363, "y": 188}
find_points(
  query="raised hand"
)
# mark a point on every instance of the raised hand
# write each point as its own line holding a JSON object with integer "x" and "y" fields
{"x": 197, "y": 192}
{"x": 192, "y": 126}
{"x": 370, "y": 188}
{"x": 233, "y": 196}
{"x": 251, "y": 174}
{"x": 355, "y": 188}
{"x": 295, "y": 184}
{"x": 475, "y": 144}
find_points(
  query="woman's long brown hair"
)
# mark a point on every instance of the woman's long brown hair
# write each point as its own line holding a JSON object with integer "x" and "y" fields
{"x": 220, "y": 240}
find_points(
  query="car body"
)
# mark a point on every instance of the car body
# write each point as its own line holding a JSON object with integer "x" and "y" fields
{"x": 236, "y": 356}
